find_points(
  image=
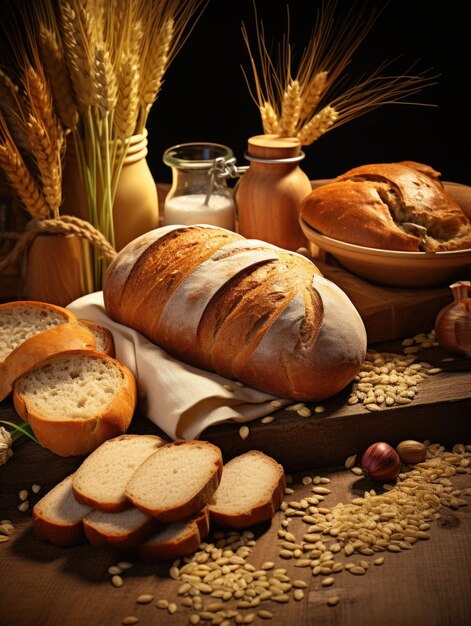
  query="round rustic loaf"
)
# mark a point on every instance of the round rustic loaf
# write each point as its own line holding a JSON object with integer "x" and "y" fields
{"x": 391, "y": 206}
{"x": 242, "y": 308}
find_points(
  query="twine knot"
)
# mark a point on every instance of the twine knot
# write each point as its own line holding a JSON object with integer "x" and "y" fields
{"x": 66, "y": 225}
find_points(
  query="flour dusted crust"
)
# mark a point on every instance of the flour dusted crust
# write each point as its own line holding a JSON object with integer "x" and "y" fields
{"x": 392, "y": 206}
{"x": 242, "y": 308}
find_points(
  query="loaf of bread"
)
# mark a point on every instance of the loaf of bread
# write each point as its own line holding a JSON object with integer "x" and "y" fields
{"x": 392, "y": 206}
{"x": 242, "y": 308}
{"x": 33, "y": 331}
{"x": 76, "y": 400}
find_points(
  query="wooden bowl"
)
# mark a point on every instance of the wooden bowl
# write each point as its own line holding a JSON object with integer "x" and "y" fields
{"x": 395, "y": 268}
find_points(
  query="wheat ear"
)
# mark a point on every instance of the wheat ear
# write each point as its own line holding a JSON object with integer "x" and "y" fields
{"x": 290, "y": 109}
{"x": 52, "y": 56}
{"x": 79, "y": 48}
{"x": 22, "y": 181}
{"x": 318, "y": 125}
{"x": 127, "y": 105}
{"x": 106, "y": 89}
{"x": 314, "y": 92}
{"x": 12, "y": 106}
{"x": 47, "y": 156}
{"x": 155, "y": 65}
{"x": 269, "y": 119}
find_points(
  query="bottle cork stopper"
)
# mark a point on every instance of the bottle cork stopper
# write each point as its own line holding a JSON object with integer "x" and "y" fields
{"x": 273, "y": 147}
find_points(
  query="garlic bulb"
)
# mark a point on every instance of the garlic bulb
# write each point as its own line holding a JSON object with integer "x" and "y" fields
{"x": 6, "y": 444}
{"x": 381, "y": 462}
{"x": 453, "y": 323}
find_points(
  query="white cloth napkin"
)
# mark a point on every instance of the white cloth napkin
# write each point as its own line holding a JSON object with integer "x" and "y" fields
{"x": 180, "y": 399}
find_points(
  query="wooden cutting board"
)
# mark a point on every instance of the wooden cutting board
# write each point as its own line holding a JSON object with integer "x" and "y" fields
{"x": 388, "y": 312}
{"x": 441, "y": 412}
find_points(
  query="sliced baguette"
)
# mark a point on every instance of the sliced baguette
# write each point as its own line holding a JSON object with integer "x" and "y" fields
{"x": 101, "y": 479}
{"x": 177, "y": 480}
{"x": 33, "y": 331}
{"x": 123, "y": 530}
{"x": 103, "y": 337}
{"x": 251, "y": 491}
{"x": 76, "y": 400}
{"x": 57, "y": 517}
{"x": 177, "y": 539}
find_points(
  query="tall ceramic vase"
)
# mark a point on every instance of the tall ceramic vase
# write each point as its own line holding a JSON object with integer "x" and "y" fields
{"x": 270, "y": 192}
{"x": 135, "y": 207}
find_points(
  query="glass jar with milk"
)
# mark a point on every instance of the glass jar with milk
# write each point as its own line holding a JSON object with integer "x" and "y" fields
{"x": 199, "y": 193}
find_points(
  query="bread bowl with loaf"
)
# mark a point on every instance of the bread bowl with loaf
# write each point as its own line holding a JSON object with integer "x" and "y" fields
{"x": 392, "y": 206}
{"x": 242, "y": 308}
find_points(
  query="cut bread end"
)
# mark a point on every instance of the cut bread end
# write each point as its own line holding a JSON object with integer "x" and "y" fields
{"x": 123, "y": 531}
{"x": 176, "y": 540}
{"x": 103, "y": 337}
{"x": 101, "y": 479}
{"x": 177, "y": 480}
{"x": 250, "y": 492}
{"x": 57, "y": 517}
{"x": 76, "y": 400}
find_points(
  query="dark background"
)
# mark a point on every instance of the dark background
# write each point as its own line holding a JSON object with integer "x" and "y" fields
{"x": 205, "y": 96}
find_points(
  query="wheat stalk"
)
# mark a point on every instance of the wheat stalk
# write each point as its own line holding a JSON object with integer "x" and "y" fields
{"x": 314, "y": 81}
{"x": 52, "y": 56}
{"x": 318, "y": 125}
{"x": 20, "y": 177}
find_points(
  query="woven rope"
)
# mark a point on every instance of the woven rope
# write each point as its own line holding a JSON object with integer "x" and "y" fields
{"x": 66, "y": 225}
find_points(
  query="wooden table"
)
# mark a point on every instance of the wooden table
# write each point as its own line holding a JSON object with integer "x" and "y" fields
{"x": 46, "y": 585}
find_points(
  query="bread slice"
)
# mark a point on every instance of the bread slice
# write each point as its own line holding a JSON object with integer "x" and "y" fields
{"x": 177, "y": 480}
{"x": 76, "y": 400}
{"x": 103, "y": 337}
{"x": 57, "y": 517}
{"x": 101, "y": 479}
{"x": 33, "y": 331}
{"x": 123, "y": 530}
{"x": 177, "y": 539}
{"x": 251, "y": 491}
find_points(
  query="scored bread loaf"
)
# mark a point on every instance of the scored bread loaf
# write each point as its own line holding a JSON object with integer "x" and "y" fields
{"x": 177, "y": 539}
{"x": 33, "y": 331}
{"x": 76, "y": 400}
{"x": 101, "y": 479}
{"x": 177, "y": 480}
{"x": 57, "y": 516}
{"x": 393, "y": 206}
{"x": 251, "y": 491}
{"x": 242, "y": 308}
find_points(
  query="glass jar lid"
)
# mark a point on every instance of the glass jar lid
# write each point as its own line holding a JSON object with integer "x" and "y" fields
{"x": 196, "y": 156}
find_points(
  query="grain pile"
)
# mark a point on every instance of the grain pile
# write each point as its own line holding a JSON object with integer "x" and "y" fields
{"x": 219, "y": 585}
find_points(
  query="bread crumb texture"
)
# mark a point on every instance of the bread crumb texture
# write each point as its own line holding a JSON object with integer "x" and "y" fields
{"x": 22, "y": 322}
{"x": 72, "y": 387}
